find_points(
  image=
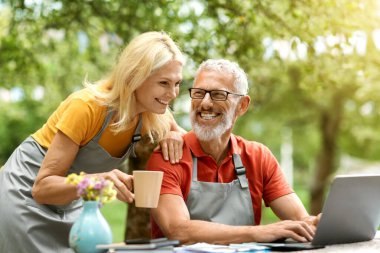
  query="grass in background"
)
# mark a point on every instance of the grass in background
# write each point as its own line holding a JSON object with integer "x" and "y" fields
{"x": 115, "y": 213}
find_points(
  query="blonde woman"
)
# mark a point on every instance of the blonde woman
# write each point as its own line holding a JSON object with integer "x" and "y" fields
{"x": 93, "y": 130}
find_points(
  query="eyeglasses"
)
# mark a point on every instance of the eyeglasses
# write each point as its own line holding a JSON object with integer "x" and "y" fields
{"x": 216, "y": 95}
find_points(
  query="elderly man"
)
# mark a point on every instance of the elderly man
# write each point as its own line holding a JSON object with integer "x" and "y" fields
{"x": 214, "y": 193}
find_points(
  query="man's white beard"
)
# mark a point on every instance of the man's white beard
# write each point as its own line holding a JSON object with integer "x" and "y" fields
{"x": 205, "y": 132}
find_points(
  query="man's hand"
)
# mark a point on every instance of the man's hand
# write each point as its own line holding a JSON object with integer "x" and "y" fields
{"x": 312, "y": 220}
{"x": 297, "y": 230}
{"x": 171, "y": 146}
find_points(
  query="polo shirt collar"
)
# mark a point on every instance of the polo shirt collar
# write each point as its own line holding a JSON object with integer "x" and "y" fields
{"x": 192, "y": 142}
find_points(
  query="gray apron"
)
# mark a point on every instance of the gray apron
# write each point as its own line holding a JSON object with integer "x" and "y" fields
{"x": 26, "y": 226}
{"x": 225, "y": 203}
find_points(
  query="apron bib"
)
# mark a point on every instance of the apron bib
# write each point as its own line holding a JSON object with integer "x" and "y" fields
{"x": 27, "y": 226}
{"x": 225, "y": 203}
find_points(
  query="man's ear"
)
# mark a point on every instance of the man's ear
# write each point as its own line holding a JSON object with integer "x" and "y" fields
{"x": 243, "y": 105}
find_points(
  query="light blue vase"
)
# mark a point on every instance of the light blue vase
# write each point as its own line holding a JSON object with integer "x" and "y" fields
{"x": 89, "y": 230}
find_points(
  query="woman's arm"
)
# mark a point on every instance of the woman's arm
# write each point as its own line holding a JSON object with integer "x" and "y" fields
{"x": 172, "y": 144}
{"x": 50, "y": 186}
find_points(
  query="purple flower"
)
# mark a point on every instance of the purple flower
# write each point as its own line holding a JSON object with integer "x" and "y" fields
{"x": 100, "y": 184}
{"x": 92, "y": 188}
{"x": 82, "y": 186}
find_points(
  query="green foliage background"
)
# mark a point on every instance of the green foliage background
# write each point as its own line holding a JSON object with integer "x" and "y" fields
{"x": 291, "y": 92}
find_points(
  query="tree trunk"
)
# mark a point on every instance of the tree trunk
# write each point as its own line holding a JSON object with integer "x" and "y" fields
{"x": 138, "y": 219}
{"x": 330, "y": 122}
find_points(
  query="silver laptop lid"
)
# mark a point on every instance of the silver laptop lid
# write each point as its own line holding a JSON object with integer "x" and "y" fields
{"x": 351, "y": 212}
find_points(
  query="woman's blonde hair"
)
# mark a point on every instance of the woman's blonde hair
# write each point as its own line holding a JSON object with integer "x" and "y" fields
{"x": 143, "y": 55}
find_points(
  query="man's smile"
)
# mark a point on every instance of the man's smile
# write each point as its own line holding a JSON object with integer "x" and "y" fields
{"x": 208, "y": 115}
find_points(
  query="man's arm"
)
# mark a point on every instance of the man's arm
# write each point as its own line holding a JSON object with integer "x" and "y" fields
{"x": 290, "y": 207}
{"x": 173, "y": 218}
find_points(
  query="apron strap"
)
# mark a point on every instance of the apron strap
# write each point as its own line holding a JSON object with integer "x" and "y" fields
{"x": 240, "y": 171}
{"x": 195, "y": 167}
{"x": 137, "y": 134}
{"x": 136, "y": 137}
{"x": 105, "y": 124}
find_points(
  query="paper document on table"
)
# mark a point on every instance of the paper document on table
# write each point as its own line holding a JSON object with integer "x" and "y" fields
{"x": 377, "y": 236}
{"x": 212, "y": 248}
{"x": 168, "y": 244}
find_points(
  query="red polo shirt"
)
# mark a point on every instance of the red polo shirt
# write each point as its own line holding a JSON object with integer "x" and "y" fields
{"x": 266, "y": 179}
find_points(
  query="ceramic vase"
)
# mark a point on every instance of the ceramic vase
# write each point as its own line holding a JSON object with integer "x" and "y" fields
{"x": 89, "y": 230}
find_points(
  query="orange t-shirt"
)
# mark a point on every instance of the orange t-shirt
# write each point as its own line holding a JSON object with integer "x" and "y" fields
{"x": 81, "y": 117}
{"x": 265, "y": 177}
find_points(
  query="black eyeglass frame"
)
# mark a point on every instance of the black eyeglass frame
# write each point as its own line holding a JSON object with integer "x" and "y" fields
{"x": 211, "y": 96}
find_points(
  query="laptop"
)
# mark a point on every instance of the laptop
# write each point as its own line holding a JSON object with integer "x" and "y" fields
{"x": 351, "y": 213}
